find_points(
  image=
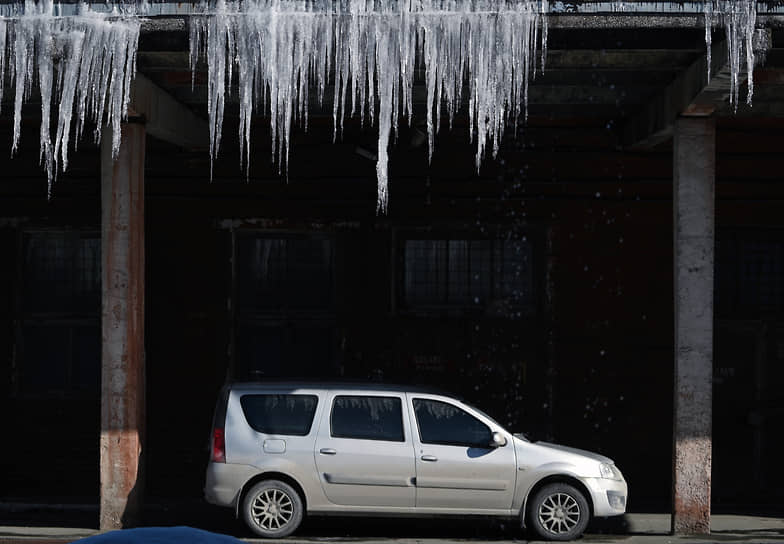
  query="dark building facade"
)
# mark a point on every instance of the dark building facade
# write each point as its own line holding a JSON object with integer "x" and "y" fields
{"x": 540, "y": 288}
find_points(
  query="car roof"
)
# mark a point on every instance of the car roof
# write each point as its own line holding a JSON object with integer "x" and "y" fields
{"x": 342, "y": 385}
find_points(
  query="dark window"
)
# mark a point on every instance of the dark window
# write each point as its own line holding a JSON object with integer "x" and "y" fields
{"x": 59, "y": 340}
{"x": 368, "y": 418}
{"x": 749, "y": 274}
{"x": 280, "y": 414}
{"x": 285, "y": 292}
{"x": 284, "y": 274}
{"x": 443, "y": 423}
{"x": 492, "y": 274}
{"x": 62, "y": 273}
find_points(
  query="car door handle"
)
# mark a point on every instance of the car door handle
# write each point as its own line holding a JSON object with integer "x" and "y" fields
{"x": 327, "y": 451}
{"x": 430, "y": 458}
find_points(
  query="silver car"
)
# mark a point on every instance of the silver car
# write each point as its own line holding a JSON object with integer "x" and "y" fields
{"x": 282, "y": 450}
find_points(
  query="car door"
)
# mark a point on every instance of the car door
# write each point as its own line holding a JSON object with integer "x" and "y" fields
{"x": 364, "y": 453}
{"x": 455, "y": 465}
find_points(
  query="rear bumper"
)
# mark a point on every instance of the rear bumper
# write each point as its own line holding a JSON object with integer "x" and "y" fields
{"x": 224, "y": 481}
{"x": 609, "y": 496}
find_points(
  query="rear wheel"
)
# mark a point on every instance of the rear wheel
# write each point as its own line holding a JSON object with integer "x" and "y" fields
{"x": 272, "y": 509}
{"x": 558, "y": 511}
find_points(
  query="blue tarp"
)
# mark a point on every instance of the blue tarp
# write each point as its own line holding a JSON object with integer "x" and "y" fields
{"x": 160, "y": 535}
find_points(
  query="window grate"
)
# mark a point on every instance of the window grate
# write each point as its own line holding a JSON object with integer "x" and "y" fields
{"x": 467, "y": 274}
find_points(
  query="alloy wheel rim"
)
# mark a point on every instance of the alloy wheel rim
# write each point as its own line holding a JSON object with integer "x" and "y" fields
{"x": 272, "y": 509}
{"x": 559, "y": 513}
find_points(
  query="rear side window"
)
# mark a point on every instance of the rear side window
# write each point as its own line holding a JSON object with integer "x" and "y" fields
{"x": 280, "y": 414}
{"x": 367, "y": 418}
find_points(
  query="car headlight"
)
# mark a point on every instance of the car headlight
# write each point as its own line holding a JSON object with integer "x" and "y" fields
{"x": 610, "y": 471}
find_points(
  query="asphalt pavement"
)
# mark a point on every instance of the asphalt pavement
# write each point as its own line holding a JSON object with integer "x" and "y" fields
{"x": 27, "y": 528}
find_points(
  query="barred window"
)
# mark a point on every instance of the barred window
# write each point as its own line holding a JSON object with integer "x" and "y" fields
{"x": 59, "y": 338}
{"x": 750, "y": 274}
{"x": 285, "y": 292}
{"x": 483, "y": 274}
{"x": 284, "y": 274}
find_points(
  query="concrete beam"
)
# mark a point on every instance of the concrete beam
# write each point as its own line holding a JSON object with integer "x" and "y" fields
{"x": 694, "y": 160}
{"x": 177, "y": 21}
{"x": 122, "y": 323}
{"x": 165, "y": 118}
{"x": 690, "y": 92}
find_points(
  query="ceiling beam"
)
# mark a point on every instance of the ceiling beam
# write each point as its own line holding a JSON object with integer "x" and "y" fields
{"x": 166, "y": 118}
{"x": 678, "y": 18}
{"x": 653, "y": 124}
{"x": 690, "y": 94}
{"x": 646, "y": 59}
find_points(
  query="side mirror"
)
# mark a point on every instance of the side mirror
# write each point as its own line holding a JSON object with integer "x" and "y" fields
{"x": 498, "y": 440}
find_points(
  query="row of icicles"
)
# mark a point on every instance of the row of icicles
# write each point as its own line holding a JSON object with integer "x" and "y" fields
{"x": 280, "y": 52}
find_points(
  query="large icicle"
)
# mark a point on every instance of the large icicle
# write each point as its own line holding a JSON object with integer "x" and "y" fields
{"x": 368, "y": 50}
{"x": 739, "y": 19}
{"x": 82, "y": 65}
{"x": 281, "y": 48}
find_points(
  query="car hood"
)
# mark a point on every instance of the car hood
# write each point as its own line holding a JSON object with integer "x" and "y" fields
{"x": 576, "y": 451}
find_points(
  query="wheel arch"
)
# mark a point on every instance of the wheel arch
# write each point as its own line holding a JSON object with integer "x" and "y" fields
{"x": 552, "y": 479}
{"x": 271, "y": 475}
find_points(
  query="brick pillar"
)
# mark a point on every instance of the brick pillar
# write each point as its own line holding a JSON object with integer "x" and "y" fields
{"x": 122, "y": 322}
{"x": 693, "y": 213}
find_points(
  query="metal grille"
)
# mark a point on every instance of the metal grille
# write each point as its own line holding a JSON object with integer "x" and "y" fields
{"x": 59, "y": 340}
{"x": 761, "y": 276}
{"x": 286, "y": 298}
{"x": 467, "y": 273}
{"x": 62, "y": 273}
{"x": 284, "y": 274}
{"x": 749, "y": 275}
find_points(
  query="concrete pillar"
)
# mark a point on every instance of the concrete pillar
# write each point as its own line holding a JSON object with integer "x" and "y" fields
{"x": 122, "y": 321}
{"x": 693, "y": 230}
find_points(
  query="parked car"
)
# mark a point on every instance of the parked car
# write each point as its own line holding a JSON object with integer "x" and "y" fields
{"x": 282, "y": 450}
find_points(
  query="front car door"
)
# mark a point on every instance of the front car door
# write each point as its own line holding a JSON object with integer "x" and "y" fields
{"x": 456, "y": 468}
{"x": 364, "y": 452}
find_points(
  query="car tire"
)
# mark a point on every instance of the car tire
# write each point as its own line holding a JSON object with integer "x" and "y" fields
{"x": 558, "y": 511}
{"x": 272, "y": 509}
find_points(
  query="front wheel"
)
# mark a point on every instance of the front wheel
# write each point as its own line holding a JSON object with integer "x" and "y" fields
{"x": 558, "y": 512}
{"x": 272, "y": 509}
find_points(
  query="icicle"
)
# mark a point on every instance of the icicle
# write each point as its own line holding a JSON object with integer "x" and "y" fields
{"x": 3, "y": 33}
{"x": 284, "y": 47}
{"x": 83, "y": 64}
{"x": 739, "y": 18}
{"x": 708, "y": 14}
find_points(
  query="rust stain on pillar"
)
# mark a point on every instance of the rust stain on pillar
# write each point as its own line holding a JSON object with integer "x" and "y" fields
{"x": 693, "y": 232}
{"x": 122, "y": 366}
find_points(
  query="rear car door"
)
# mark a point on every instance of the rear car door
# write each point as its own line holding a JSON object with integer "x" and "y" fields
{"x": 364, "y": 452}
{"x": 455, "y": 465}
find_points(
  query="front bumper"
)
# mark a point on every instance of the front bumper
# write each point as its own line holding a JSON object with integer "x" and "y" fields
{"x": 609, "y": 496}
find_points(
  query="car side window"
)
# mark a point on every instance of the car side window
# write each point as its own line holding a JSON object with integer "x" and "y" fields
{"x": 367, "y": 418}
{"x": 280, "y": 414}
{"x": 443, "y": 423}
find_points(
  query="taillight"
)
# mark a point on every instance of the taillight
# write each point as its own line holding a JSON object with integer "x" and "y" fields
{"x": 218, "y": 446}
